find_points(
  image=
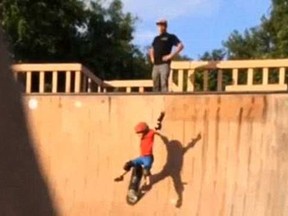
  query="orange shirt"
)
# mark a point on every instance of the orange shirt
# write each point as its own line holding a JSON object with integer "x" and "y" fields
{"x": 147, "y": 143}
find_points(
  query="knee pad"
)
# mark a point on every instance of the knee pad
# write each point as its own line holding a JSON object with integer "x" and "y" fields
{"x": 128, "y": 165}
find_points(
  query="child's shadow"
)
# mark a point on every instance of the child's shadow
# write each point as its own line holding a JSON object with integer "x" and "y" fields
{"x": 173, "y": 165}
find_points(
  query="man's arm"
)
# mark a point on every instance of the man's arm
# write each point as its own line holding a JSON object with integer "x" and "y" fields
{"x": 178, "y": 49}
{"x": 151, "y": 54}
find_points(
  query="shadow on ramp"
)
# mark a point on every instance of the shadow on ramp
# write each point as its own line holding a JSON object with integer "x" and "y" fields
{"x": 173, "y": 166}
{"x": 23, "y": 189}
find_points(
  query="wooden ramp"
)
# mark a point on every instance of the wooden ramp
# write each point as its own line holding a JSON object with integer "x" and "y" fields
{"x": 224, "y": 154}
{"x": 219, "y": 155}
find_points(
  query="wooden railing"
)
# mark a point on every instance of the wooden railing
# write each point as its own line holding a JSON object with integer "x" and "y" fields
{"x": 128, "y": 86}
{"x": 244, "y": 75}
{"x": 186, "y": 76}
{"x": 56, "y": 78}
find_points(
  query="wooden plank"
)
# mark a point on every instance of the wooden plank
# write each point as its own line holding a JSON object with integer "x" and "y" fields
{"x": 68, "y": 82}
{"x": 28, "y": 81}
{"x": 282, "y": 76}
{"x": 54, "y": 81}
{"x": 94, "y": 78}
{"x": 205, "y": 80}
{"x": 41, "y": 81}
{"x": 263, "y": 88}
{"x": 180, "y": 64}
{"x": 77, "y": 82}
{"x": 235, "y": 77}
{"x": 238, "y": 64}
{"x": 171, "y": 85}
{"x": 46, "y": 67}
{"x": 219, "y": 80}
{"x": 128, "y": 89}
{"x": 265, "y": 76}
{"x": 180, "y": 80}
{"x": 84, "y": 83}
{"x": 250, "y": 77}
{"x": 253, "y": 63}
{"x": 89, "y": 85}
{"x": 190, "y": 80}
{"x": 130, "y": 83}
{"x": 99, "y": 89}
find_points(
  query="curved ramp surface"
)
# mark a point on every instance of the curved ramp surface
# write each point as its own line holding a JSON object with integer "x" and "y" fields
{"x": 23, "y": 188}
{"x": 218, "y": 154}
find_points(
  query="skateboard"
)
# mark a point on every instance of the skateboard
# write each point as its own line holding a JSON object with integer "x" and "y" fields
{"x": 134, "y": 193}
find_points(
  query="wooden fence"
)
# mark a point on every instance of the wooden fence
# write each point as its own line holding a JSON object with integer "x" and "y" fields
{"x": 56, "y": 78}
{"x": 186, "y": 76}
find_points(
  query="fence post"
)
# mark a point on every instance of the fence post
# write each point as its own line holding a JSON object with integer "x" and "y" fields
{"x": 77, "y": 82}
{"x": 68, "y": 81}
{"x": 54, "y": 82}
{"x": 41, "y": 82}
{"x": 28, "y": 81}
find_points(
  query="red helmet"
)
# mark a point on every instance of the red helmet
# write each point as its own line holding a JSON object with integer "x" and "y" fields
{"x": 141, "y": 127}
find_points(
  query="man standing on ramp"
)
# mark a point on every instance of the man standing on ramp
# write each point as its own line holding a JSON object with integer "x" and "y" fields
{"x": 161, "y": 55}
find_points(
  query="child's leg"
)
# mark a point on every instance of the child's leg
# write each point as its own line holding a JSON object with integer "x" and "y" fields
{"x": 132, "y": 163}
{"x": 147, "y": 180}
{"x": 147, "y": 165}
{"x": 146, "y": 162}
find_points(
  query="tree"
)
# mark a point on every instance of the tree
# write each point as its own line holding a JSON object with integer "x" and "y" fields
{"x": 42, "y": 30}
{"x": 255, "y": 43}
{"x": 214, "y": 55}
{"x": 276, "y": 26}
{"x": 108, "y": 45}
{"x": 267, "y": 40}
{"x": 74, "y": 31}
{"x": 180, "y": 57}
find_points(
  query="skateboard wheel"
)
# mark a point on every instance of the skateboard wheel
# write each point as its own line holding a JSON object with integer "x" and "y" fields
{"x": 132, "y": 197}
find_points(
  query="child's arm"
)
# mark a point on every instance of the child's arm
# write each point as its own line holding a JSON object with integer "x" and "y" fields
{"x": 163, "y": 138}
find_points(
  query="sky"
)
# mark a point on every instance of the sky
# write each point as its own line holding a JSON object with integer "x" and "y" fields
{"x": 202, "y": 25}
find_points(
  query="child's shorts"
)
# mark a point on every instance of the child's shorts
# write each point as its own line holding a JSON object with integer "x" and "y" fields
{"x": 145, "y": 161}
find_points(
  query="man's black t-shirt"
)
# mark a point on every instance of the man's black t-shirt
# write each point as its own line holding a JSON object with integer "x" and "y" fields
{"x": 163, "y": 45}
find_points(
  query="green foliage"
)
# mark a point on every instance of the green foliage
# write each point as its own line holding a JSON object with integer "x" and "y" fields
{"x": 74, "y": 31}
{"x": 268, "y": 40}
{"x": 180, "y": 57}
{"x": 41, "y": 30}
{"x": 214, "y": 55}
{"x": 255, "y": 43}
